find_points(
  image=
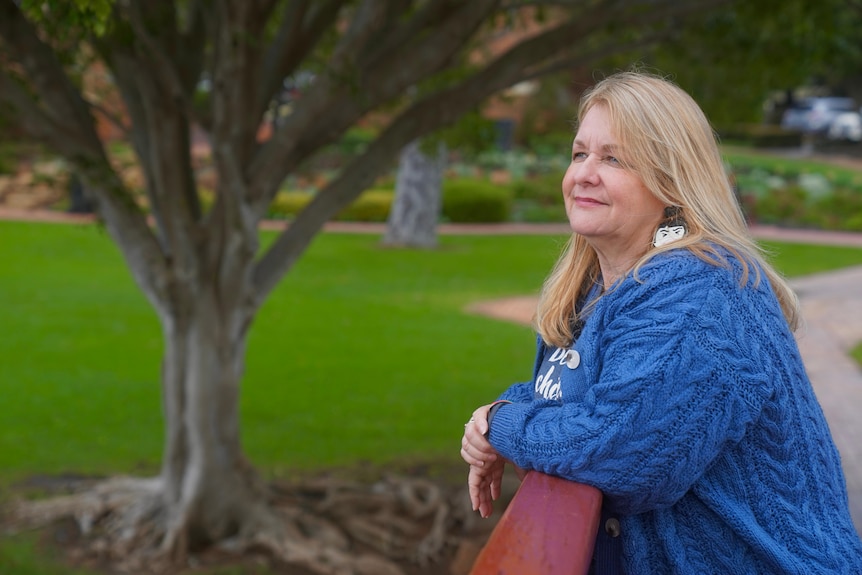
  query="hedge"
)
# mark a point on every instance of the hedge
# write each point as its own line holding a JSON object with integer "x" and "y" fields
{"x": 476, "y": 201}
{"x": 370, "y": 206}
{"x": 464, "y": 201}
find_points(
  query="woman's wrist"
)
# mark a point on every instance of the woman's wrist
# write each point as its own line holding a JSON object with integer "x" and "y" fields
{"x": 491, "y": 412}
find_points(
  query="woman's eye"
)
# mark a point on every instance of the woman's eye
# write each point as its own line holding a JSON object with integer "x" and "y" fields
{"x": 579, "y": 156}
{"x": 612, "y": 160}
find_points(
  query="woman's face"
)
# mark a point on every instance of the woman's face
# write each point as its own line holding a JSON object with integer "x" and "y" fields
{"x": 606, "y": 203}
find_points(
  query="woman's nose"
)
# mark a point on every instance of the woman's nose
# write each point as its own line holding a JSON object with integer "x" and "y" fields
{"x": 586, "y": 171}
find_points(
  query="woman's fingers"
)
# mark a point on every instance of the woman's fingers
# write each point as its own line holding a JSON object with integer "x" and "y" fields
{"x": 486, "y": 468}
{"x": 470, "y": 459}
{"x": 480, "y": 495}
{"x": 475, "y": 448}
{"x": 480, "y": 419}
{"x": 484, "y": 486}
{"x": 473, "y": 486}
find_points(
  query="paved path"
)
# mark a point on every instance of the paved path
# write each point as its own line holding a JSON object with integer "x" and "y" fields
{"x": 831, "y": 308}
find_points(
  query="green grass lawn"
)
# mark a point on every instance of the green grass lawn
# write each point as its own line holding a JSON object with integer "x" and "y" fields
{"x": 804, "y": 259}
{"x": 361, "y": 354}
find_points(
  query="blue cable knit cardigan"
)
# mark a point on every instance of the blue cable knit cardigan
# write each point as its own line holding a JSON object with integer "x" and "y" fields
{"x": 692, "y": 412}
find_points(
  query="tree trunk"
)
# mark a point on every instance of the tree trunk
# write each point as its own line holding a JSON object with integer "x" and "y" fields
{"x": 418, "y": 190}
{"x": 210, "y": 492}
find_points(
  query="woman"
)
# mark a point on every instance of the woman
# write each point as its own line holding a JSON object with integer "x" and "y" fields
{"x": 666, "y": 374}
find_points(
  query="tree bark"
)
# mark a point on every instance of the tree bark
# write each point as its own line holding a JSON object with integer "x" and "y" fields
{"x": 210, "y": 492}
{"x": 418, "y": 198}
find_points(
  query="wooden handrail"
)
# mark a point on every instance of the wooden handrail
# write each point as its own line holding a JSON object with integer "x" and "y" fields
{"x": 549, "y": 528}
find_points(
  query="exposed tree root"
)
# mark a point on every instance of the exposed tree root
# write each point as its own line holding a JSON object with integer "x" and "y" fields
{"x": 329, "y": 526}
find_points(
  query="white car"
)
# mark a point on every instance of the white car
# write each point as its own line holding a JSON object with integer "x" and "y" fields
{"x": 816, "y": 115}
{"x": 846, "y": 126}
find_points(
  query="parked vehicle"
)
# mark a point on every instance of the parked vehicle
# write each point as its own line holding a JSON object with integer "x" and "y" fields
{"x": 846, "y": 126}
{"x": 816, "y": 115}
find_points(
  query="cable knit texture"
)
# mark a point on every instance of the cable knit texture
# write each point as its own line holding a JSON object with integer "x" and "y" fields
{"x": 692, "y": 412}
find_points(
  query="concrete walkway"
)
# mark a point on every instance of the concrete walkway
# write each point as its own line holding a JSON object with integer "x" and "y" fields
{"x": 831, "y": 308}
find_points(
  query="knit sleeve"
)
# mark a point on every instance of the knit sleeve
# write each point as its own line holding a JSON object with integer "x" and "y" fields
{"x": 518, "y": 392}
{"x": 679, "y": 374}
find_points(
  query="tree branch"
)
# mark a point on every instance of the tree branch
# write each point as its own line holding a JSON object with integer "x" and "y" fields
{"x": 114, "y": 119}
{"x": 303, "y": 24}
{"x": 422, "y": 117}
{"x": 369, "y": 17}
{"x": 236, "y": 97}
{"x": 530, "y": 58}
{"x": 429, "y": 53}
{"x": 332, "y": 105}
{"x": 192, "y": 47}
{"x": 432, "y": 15}
{"x": 162, "y": 15}
{"x": 432, "y": 112}
{"x": 62, "y": 100}
{"x": 283, "y": 46}
{"x": 160, "y": 131}
{"x": 123, "y": 220}
{"x": 236, "y": 79}
{"x": 33, "y": 118}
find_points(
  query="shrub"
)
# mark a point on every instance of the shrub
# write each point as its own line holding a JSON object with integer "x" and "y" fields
{"x": 370, "y": 206}
{"x": 287, "y": 204}
{"x": 476, "y": 201}
{"x": 842, "y": 209}
{"x": 539, "y": 199}
{"x": 853, "y": 223}
{"x": 816, "y": 186}
{"x": 544, "y": 190}
{"x": 757, "y": 183}
{"x": 554, "y": 143}
{"x": 784, "y": 206}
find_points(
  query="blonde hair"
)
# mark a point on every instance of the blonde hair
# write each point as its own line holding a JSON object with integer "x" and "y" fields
{"x": 669, "y": 143}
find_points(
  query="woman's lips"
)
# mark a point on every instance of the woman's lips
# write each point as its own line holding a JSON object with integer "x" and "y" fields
{"x": 585, "y": 202}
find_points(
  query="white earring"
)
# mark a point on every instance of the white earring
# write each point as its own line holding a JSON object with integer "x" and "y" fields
{"x": 672, "y": 228}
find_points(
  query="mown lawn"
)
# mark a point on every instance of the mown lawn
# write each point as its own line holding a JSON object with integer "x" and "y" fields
{"x": 361, "y": 354}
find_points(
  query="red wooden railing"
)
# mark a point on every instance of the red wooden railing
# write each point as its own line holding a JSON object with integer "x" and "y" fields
{"x": 549, "y": 528}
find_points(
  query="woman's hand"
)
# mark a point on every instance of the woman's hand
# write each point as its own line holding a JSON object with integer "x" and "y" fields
{"x": 486, "y": 466}
{"x": 484, "y": 484}
{"x": 475, "y": 447}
